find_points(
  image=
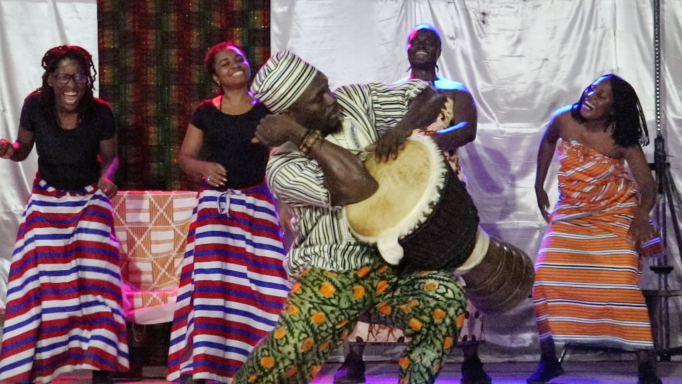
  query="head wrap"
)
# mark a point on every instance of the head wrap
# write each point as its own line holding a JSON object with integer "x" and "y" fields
{"x": 282, "y": 80}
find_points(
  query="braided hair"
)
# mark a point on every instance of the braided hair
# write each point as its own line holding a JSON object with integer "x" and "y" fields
{"x": 628, "y": 118}
{"x": 50, "y": 64}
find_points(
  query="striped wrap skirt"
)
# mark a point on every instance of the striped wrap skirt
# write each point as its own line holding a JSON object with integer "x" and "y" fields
{"x": 232, "y": 285}
{"x": 586, "y": 289}
{"x": 64, "y": 295}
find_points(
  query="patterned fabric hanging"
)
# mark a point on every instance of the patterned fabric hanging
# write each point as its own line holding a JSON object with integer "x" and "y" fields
{"x": 151, "y": 69}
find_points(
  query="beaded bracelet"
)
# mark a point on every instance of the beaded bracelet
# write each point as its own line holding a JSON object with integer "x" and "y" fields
{"x": 311, "y": 137}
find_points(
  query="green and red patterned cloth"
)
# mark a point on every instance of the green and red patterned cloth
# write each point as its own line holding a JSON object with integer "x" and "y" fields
{"x": 151, "y": 69}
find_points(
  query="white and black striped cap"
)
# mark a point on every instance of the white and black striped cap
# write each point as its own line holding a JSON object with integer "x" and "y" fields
{"x": 282, "y": 80}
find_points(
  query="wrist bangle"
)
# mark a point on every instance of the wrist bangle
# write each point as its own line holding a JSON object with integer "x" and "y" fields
{"x": 311, "y": 137}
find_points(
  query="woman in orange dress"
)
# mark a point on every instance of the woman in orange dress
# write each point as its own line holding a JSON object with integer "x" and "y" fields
{"x": 588, "y": 268}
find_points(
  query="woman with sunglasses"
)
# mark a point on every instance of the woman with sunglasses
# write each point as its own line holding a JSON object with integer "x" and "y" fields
{"x": 64, "y": 296}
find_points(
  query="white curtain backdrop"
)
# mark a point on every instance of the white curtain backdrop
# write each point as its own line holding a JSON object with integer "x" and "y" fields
{"x": 521, "y": 59}
{"x": 28, "y": 28}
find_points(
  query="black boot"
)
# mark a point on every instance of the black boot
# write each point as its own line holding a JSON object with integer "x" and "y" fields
{"x": 548, "y": 369}
{"x": 473, "y": 373}
{"x": 353, "y": 368}
{"x": 102, "y": 377}
{"x": 647, "y": 374}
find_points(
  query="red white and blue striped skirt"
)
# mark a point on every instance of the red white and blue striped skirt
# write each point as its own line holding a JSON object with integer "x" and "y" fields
{"x": 232, "y": 286}
{"x": 64, "y": 295}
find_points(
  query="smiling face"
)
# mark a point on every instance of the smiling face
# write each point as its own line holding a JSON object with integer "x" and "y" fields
{"x": 597, "y": 100}
{"x": 231, "y": 69}
{"x": 423, "y": 48}
{"x": 317, "y": 107}
{"x": 68, "y": 94}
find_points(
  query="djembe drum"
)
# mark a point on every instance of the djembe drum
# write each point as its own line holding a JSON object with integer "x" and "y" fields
{"x": 422, "y": 218}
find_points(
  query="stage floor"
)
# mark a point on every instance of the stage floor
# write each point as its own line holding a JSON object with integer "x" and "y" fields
{"x": 502, "y": 373}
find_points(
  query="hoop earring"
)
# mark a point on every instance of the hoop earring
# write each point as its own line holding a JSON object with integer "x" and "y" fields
{"x": 437, "y": 69}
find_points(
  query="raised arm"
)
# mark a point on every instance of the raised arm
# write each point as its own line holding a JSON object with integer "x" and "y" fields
{"x": 422, "y": 111}
{"x": 463, "y": 127}
{"x": 345, "y": 176}
{"x": 545, "y": 155}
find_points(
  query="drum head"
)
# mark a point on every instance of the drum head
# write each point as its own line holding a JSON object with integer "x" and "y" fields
{"x": 404, "y": 187}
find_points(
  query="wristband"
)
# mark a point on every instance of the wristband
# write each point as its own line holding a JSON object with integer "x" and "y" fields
{"x": 311, "y": 137}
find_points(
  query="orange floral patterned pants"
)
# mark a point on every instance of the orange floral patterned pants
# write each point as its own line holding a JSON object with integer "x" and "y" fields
{"x": 323, "y": 308}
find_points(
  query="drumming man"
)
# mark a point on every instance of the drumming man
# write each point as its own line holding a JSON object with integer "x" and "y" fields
{"x": 455, "y": 127}
{"x": 315, "y": 171}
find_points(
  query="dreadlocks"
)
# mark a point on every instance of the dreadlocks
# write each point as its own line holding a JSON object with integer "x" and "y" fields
{"x": 50, "y": 63}
{"x": 628, "y": 118}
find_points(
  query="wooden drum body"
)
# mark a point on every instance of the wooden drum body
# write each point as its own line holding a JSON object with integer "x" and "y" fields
{"x": 422, "y": 218}
{"x": 421, "y": 210}
{"x": 501, "y": 279}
